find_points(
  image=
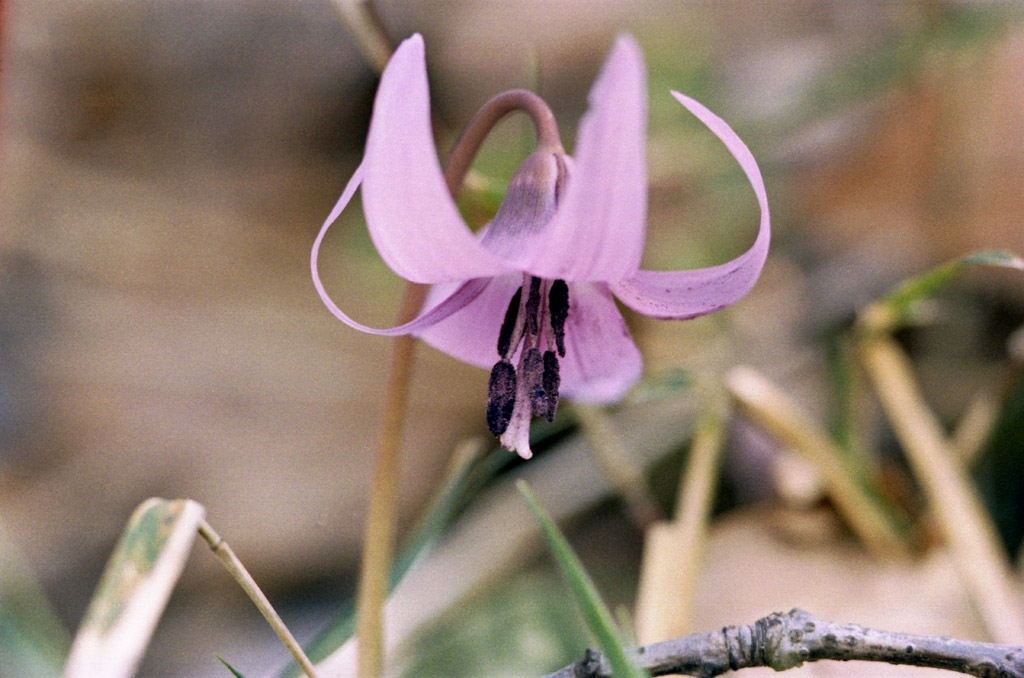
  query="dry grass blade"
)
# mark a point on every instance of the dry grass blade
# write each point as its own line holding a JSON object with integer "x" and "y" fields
{"x": 133, "y": 592}
{"x": 674, "y": 550}
{"x": 969, "y": 533}
{"x": 364, "y": 25}
{"x": 769, "y": 407}
{"x": 233, "y": 565}
{"x": 625, "y": 475}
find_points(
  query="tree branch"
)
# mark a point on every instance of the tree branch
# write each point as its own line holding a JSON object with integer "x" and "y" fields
{"x": 784, "y": 641}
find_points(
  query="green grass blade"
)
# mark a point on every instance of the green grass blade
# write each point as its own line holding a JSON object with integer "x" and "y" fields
{"x": 902, "y": 305}
{"x": 32, "y": 640}
{"x": 595, "y": 612}
{"x": 235, "y": 672}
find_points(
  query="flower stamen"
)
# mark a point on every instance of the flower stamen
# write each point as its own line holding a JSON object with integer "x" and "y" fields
{"x": 501, "y": 397}
{"x": 532, "y": 372}
{"x": 550, "y": 381}
{"x": 533, "y": 309}
{"x": 509, "y": 326}
{"x": 530, "y": 389}
{"x": 558, "y": 303}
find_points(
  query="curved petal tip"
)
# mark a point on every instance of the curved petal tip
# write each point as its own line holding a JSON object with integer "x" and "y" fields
{"x": 688, "y": 294}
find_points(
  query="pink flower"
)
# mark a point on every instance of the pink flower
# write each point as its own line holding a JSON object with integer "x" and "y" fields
{"x": 531, "y": 296}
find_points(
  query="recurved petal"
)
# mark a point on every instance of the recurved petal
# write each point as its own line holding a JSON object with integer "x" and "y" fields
{"x": 410, "y": 214}
{"x": 687, "y": 294}
{"x": 458, "y": 295}
{"x": 601, "y": 361}
{"x": 598, "y": 231}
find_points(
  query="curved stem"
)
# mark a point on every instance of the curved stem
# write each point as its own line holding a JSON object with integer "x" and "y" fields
{"x": 469, "y": 142}
{"x": 378, "y": 549}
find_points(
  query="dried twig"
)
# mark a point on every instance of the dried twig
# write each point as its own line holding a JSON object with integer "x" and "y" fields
{"x": 785, "y": 641}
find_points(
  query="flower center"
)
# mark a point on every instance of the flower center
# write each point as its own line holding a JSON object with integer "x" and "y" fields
{"x": 536, "y": 322}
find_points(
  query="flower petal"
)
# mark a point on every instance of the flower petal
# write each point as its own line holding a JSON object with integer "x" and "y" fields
{"x": 687, "y": 294}
{"x": 410, "y": 214}
{"x": 598, "y": 231}
{"x": 601, "y": 361}
{"x": 458, "y": 297}
{"x": 472, "y": 334}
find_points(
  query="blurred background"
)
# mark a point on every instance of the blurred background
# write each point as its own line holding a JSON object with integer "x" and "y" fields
{"x": 167, "y": 164}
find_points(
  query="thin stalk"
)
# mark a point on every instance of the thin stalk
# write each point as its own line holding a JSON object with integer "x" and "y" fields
{"x": 373, "y": 41}
{"x": 975, "y": 427}
{"x": 381, "y": 516}
{"x": 364, "y": 24}
{"x": 969, "y": 534}
{"x": 226, "y": 556}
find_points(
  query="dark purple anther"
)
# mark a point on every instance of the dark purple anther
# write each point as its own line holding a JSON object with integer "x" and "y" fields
{"x": 558, "y": 303}
{"x": 550, "y": 380}
{"x": 501, "y": 397}
{"x": 533, "y": 308}
{"x": 508, "y": 325}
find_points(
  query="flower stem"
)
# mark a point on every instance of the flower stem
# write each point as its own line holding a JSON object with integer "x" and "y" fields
{"x": 469, "y": 142}
{"x": 380, "y": 521}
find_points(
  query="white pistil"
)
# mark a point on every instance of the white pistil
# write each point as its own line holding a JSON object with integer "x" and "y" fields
{"x": 517, "y": 435}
